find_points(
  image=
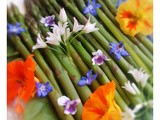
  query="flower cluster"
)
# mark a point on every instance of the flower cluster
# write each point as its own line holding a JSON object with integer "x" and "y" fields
{"x": 61, "y": 33}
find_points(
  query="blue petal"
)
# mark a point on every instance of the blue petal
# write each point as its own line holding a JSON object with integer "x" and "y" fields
{"x": 44, "y": 93}
{"x": 93, "y": 77}
{"x": 38, "y": 85}
{"x": 89, "y": 2}
{"x": 94, "y": 12}
{"x": 124, "y": 52}
{"x": 94, "y": 2}
{"x": 89, "y": 73}
{"x": 38, "y": 94}
{"x": 18, "y": 24}
{"x": 86, "y": 10}
{"x": 118, "y": 56}
{"x": 97, "y": 5}
{"x": 49, "y": 89}
{"x": 82, "y": 83}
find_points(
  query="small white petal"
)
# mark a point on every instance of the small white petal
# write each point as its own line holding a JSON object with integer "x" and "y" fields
{"x": 40, "y": 43}
{"x": 77, "y": 27}
{"x": 128, "y": 114}
{"x": 62, "y": 15}
{"x": 137, "y": 107}
{"x": 42, "y": 20}
{"x": 140, "y": 76}
{"x": 62, "y": 100}
{"x": 90, "y": 27}
{"x": 128, "y": 86}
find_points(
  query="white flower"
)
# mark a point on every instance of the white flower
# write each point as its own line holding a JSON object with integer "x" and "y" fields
{"x": 90, "y": 27}
{"x": 39, "y": 44}
{"x": 62, "y": 15}
{"x": 128, "y": 114}
{"x": 67, "y": 34}
{"x": 140, "y": 76}
{"x": 77, "y": 27}
{"x": 132, "y": 88}
{"x": 53, "y": 39}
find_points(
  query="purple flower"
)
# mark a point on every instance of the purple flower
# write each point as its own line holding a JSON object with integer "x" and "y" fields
{"x": 43, "y": 89}
{"x": 15, "y": 29}
{"x": 87, "y": 80}
{"x": 91, "y": 8}
{"x": 48, "y": 20}
{"x": 70, "y": 105}
{"x": 118, "y": 50}
{"x": 98, "y": 58}
{"x": 119, "y": 2}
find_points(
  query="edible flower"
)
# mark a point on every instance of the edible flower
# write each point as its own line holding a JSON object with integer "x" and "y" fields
{"x": 87, "y": 80}
{"x": 39, "y": 44}
{"x": 48, "y": 20}
{"x": 118, "y": 50}
{"x": 15, "y": 29}
{"x": 136, "y": 16}
{"x": 76, "y": 26}
{"x": 101, "y": 104}
{"x": 70, "y": 105}
{"x": 43, "y": 89}
{"x": 91, "y": 7}
{"x": 20, "y": 81}
{"x": 98, "y": 58}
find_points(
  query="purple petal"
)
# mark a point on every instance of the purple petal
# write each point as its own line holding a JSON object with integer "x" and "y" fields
{"x": 118, "y": 56}
{"x": 38, "y": 94}
{"x": 97, "y": 5}
{"x": 44, "y": 93}
{"x": 94, "y": 12}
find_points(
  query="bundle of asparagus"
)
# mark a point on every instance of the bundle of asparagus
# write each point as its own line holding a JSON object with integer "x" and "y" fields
{"x": 96, "y": 70}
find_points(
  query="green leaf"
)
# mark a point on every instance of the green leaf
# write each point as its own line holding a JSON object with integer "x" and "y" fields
{"x": 40, "y": 109}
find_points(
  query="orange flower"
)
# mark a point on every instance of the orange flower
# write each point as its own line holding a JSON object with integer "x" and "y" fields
{"x": 136, "y": 16}
{"x": 20, "y": 80}
{"x": 101, "y": 104}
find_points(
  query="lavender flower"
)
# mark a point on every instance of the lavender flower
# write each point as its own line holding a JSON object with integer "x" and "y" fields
{"x": 118, "y": 50}
{"x": 91, "y": 8}
{"x": 48, "y": 20}
{"x": 98, "y": 58}
{"x": 15, "y": 29}
{"x": 70, "y": 105}
{"x": 43, "y": 89}
{"x": 87, "y": 80}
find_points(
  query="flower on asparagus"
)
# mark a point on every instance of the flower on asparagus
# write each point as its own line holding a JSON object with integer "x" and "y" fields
{"x": 91, "y": 7}
{"x": 136, "y": 16}
{"x": 15, "y": 29}
{"x": 20, "y": 81}
{"x": 140, "y": 76}
{"x": 48, "y": 20}
{"x": 129, "y": 114}
{"x": 98, "y": 58}
{"x": 90, "y": 27}
{"x": 43, "y": 89}
{"x": 76, "y": 26}
{"x": 63, "y": 16}
{"x": 40, "y": 43}
{"x": 101, "y": 104}
{"x": 118, "y": 50}
{"x": 87, "y": 80}
{"x": 132, "y": 88}
{"x": 70, "y": 105}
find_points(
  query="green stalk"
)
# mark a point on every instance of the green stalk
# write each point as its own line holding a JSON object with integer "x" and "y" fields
{"x": 54, "y": 95}
{"x": 29, "y": 43}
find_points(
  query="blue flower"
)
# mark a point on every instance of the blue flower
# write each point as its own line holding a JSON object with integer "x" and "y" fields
{"x": 118, "y": 50}
{"x": 87, "y": 80}
{"x": 91, "y": 8}
{"x": 119, "y": 2}
{"x": 15, "y": 29}
{"x": 43, "y": 89}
